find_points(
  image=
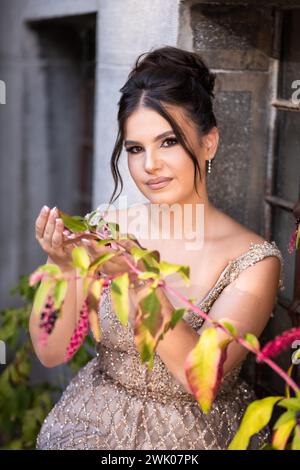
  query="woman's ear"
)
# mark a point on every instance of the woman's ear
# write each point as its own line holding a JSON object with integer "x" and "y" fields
{"x": 211, "y": 141}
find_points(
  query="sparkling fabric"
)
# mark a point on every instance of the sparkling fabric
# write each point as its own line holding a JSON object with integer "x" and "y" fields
{"x": 114, "y": 402}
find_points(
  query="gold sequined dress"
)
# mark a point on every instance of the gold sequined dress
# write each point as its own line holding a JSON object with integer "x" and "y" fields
{"x": 112, "y": 404}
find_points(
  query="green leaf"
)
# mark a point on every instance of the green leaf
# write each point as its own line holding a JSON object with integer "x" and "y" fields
{"x": 41, "y": 295}
{"x": 256, "y": 417}
{"x": 94, "y": 297}
{"x": 169, "y": 268}
{"x": 52, "y": 269}
{"x": 150, "y": 258}
{"x": 284, "y": 418}
{"x": 286, "y": 387}
{"x": 74, "y": 223}
{"x": 59, "y": 293}
{"x": 230, "y": 327}
{"x": 282, "y": 433}
{"x": 119, "y": 294}
{"x": 143, "y": 339}
{"x": 204, "y": 367}
{"x": 147, "y": 275}
{"x": 114, "y": 229}
{"x": 292, "y": 404}
{"x": 101, "y": 260}
{"x": 184, "y": 272}
{"x": 151, "y": 308}
{"x": 252, "y": 340}
{"x": 80, "y": 258}
{"x": 177, "y": 315}
{"x": 296, "y": 439}
{"x": 49, "y": 268}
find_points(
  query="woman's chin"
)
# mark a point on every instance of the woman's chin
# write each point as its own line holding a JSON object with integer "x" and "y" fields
{"x": 163, "y": 199}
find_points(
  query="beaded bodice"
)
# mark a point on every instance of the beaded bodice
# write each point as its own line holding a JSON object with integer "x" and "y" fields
{"x": 119, "y": 360}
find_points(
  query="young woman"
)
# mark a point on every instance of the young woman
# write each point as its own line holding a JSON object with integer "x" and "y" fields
{"x": 168, "y": 128}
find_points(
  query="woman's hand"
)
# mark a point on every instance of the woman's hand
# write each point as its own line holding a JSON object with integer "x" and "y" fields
{"x": 116, "y": 265}
{"x": 52, "y": 235}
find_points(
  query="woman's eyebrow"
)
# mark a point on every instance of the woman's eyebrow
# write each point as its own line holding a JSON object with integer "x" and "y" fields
{"x": 160, "y": 136}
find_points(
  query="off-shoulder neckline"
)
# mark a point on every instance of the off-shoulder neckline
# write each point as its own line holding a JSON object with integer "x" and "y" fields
{"x": 252, "y": 245}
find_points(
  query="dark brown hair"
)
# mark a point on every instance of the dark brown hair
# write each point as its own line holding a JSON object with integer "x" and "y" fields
{"x": 167, "y": 75}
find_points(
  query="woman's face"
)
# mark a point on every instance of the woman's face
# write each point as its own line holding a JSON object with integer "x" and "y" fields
{"x": 151, "y": 155}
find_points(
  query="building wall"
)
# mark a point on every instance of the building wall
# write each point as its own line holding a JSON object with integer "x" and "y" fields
{"x": 26, "y": 156}
{"x": 37, "y": 166}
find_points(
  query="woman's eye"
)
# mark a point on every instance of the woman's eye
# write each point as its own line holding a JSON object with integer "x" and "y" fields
{"x": 133, "y": 150}
{"x": 171, "y": 139}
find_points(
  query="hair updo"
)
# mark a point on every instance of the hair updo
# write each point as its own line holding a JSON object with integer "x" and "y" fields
{"x": 167, "y": 75}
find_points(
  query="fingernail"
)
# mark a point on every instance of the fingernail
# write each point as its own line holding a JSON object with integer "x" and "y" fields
{"x": 45, "y": 209}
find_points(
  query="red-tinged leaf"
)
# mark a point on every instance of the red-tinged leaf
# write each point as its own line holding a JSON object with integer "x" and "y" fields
{"x": 282, "y": 433}
{"x": 176, "y": 316}
{"x": 94, "y": 296}
{"x": 52, "y": 269}
{"x": 256, "y": 417}
{"x": 204, "y": 367}
{"x": 296, "y": 439}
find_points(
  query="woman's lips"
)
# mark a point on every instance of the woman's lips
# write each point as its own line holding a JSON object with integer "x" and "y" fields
{"x": 160, "y": 185}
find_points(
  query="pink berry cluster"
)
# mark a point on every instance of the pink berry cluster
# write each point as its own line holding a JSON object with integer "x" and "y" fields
{"x": 81, "y": 330}
{"x": 281, "y": 342}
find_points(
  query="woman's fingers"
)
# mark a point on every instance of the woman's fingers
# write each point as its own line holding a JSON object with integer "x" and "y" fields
{"x": 50, "y": 227}
{"x": 57, "y": 238}
{"x": 41, "y": 222}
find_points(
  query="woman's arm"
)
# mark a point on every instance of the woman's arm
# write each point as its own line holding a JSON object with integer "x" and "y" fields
{"x": 53, "y": 353}
{"x": 247, "y": 303}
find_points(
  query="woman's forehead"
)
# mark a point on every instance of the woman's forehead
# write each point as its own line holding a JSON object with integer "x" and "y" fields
{"x": 146, "y": 124}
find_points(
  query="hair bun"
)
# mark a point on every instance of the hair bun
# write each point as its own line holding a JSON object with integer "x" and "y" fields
{"x": 201, "y": 72}
{"x": 187, "y": 62}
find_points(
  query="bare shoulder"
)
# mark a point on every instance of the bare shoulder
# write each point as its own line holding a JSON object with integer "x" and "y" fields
{"x": 237, "y": 240}
{"x": 235, "y": 237}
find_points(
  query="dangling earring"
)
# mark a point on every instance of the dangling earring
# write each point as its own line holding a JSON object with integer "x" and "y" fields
{"x": 209, "y": 166}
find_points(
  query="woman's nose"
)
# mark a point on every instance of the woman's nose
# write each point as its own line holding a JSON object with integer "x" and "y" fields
{"x": 151, "y": 160}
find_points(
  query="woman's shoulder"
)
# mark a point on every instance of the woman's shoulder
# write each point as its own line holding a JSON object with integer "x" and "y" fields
{"x": 234, "y": 237}
{"x": 245, "y": 247}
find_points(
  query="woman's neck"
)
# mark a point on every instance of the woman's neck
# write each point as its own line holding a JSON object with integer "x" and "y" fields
{"x": 187, "y": 221}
